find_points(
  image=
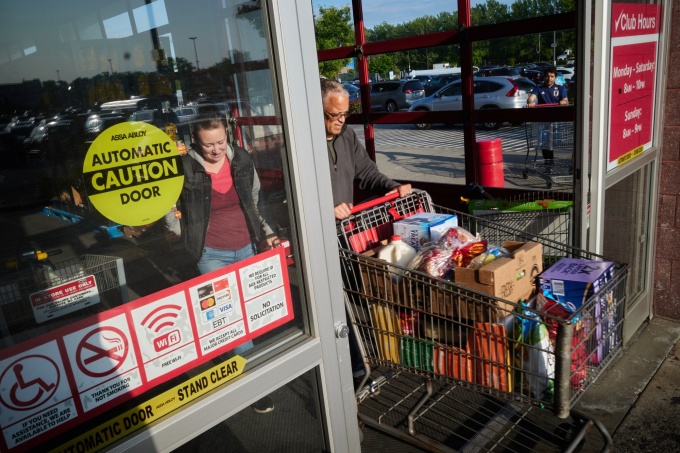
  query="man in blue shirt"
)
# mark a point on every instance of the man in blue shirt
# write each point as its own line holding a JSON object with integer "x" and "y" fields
{"x": 548, "y": 93}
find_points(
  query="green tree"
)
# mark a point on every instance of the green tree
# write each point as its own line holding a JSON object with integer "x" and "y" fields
{"x": 333, "y": 29}
{"x": 381, "y": 64}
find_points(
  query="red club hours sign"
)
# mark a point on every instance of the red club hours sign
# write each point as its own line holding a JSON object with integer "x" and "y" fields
{"x": 634, "y": 45}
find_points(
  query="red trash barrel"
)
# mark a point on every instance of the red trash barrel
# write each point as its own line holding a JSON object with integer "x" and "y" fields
{"x": 490, "y": 163}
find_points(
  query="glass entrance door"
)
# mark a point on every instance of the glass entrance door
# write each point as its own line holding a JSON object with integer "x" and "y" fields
{"x": 160, "y": 287}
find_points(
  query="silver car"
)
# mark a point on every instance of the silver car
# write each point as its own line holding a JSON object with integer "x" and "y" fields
{"x": 490, "y": 93}
{"x": 395, "y": 94}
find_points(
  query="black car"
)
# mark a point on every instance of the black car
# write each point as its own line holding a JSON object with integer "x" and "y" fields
{"x": 439, "y": 81}
{"x": 13, "y": 136}
{"x": 96, "y": 123}
{"x": 534, "y": 75}
{"x": 503, "y": 71}
{"x": 60, "y": 138}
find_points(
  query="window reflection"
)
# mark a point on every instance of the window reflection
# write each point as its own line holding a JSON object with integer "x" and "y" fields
{"x": 71, "y": 72}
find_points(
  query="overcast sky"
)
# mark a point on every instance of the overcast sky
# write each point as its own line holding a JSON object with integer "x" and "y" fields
{"x": 396, "y": 12}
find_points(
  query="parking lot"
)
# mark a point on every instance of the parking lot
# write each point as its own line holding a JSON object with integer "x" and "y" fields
{"x": 437, "y": 155}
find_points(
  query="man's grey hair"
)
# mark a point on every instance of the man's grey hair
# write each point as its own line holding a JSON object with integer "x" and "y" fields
{"x": 329, "y": 86}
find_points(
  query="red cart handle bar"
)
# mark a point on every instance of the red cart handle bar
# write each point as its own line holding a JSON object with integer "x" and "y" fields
{"x": 374, "y": 202}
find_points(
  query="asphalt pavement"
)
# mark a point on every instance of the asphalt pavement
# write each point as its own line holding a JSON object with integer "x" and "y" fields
{"x": 437, "y": 156}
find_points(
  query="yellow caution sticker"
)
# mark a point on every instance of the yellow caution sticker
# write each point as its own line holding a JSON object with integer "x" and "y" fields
{"x": 133, "y": 173}
{"x": 155, "y": 408}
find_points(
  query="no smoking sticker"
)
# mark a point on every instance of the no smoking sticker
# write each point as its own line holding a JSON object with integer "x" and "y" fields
{"x": 133, "y": 173}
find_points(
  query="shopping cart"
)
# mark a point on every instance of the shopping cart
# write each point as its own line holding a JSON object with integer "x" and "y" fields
{"x": 557, "y": 137}
{"x": 19, "y": 286}
{"x": 462, "y": 345}
{"x": 542, "y": 215}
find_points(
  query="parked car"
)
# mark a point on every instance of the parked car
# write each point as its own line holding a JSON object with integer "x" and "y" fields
{"x": 493, "y": 92}
{"x": 484, "y": 71}
{"x": 525, "y": 84}
{"x": 186, "y": 113}
{"x": 438, "y": 82}
{"x": 98, "y": 122}
{"x": 534, "y": 75}
{"x": 162, "y": 120}
{"x": 13, "y": 136}
{"x": 395, "y": 94}
{"x": 424, "y": 79}
{"x": 503, "y": 71}
{"x": 354, "y": 92}
{"x": 57, "y": 139}
{"x": 566, "y": 73}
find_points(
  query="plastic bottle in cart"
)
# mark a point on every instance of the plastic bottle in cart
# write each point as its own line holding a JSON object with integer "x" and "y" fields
{"x": 397, "y": 252}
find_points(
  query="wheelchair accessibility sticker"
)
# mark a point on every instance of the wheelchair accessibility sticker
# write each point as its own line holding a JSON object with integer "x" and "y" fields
{"x": 34, "y": 394}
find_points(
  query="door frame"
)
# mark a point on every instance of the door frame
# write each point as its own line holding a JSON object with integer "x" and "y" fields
{"x": 596, "y": 105}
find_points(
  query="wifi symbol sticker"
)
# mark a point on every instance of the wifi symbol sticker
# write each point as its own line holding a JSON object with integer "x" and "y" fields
{"x": 161, "y": 321}
{"x": 162, "y": 317}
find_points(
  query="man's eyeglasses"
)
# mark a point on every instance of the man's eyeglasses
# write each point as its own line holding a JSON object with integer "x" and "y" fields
{"x": 336, "y": 116}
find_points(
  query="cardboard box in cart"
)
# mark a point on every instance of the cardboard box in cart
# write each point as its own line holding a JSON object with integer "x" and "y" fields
{"x": 507, "y": 278}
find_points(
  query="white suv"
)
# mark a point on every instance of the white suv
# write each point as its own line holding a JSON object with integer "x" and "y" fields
{"x": 490, "y": 93}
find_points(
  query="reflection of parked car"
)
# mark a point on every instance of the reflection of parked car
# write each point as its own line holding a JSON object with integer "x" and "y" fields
{"x": 97, "y": 123}
{"x": 186, "y": 113}
{"x": 60, "y": 138}
{"x": 490, "y": 93}
{"x": 135, "y": 103}
{"x": 14, "y": 134}
{"x": 396, "y": 94}
{"x": 164, "y": 121}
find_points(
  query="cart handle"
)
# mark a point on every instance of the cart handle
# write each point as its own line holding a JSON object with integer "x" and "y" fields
{"x": 554, "y": 104}
{"x": 374, "y": 202}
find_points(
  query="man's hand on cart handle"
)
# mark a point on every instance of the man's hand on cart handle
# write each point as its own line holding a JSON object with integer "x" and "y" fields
{"x": 343, "y": 210}
{"x": 402, "y": 190}
{"x": 399, "y": 191}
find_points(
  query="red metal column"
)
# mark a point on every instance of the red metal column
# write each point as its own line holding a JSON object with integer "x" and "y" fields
{"x": 470, "y": 139}
{"x": 362, "y": 60}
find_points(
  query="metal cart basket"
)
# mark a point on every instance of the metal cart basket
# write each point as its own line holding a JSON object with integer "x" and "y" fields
{"x": 452, "y": 337}
{"x": 541, "y": 215}
{"x": 556, "y": 137}
{"x": 17, "y": 287}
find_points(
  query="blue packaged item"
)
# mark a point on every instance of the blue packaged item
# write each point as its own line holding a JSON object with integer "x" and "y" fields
{"x": 571, "y": 281}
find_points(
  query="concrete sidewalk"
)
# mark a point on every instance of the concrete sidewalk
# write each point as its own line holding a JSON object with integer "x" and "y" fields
{"x": 638, "y": 396}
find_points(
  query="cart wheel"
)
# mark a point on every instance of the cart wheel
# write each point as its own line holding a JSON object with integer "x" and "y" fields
{"x": 525, "y": 175}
